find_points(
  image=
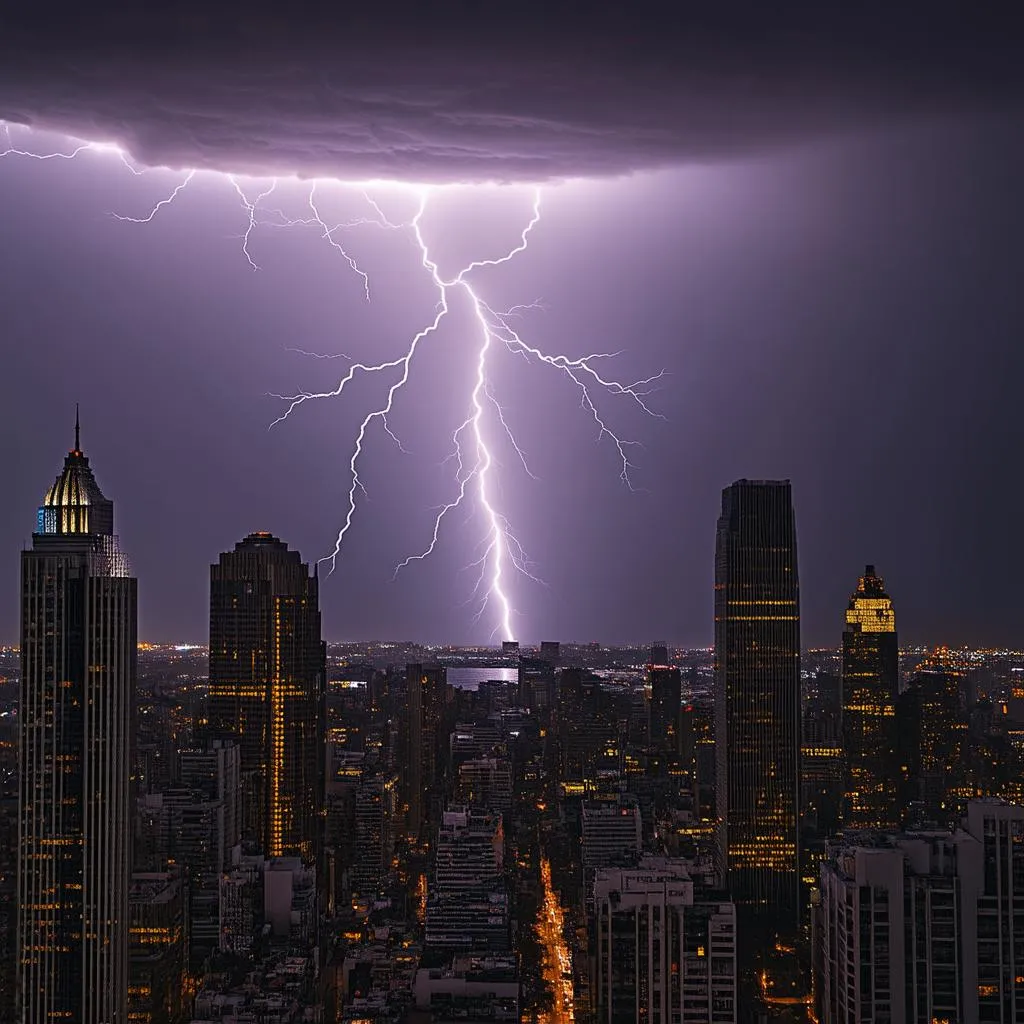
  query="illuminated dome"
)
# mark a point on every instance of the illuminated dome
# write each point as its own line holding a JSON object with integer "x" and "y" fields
{"x": 75, "y": 504}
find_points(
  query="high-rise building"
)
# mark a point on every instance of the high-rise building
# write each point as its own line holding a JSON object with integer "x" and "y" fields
{"x": 611, "y": 833}
{"x": 266, "y": 691}
{"x": 931, "y": 741}
{"x": 467, "y": 906}
{"x": 666, "y": 706}
{"x": 158, "y": 948}
{"x": 658, "y": 655}
{"x": 757, "y": 697}
{"x": 195, "y": 825}
{"x": 486, "y": 784}
{"x": 537, "y": 680}
{"x": 911, "y": 928}
{"x": 870, "y": 688}
{"x": 78, "y": 654}
{"x": 662, "y": 952}
{"x": 427, "y": 687}
{"x": 374, "y": 814}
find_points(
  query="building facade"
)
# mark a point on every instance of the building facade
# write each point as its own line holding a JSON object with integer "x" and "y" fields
{"x": 666, "y": 704}
{"x": 78, "y": 665}
{"x": 661, "y": 954}
{"x": 870, "y": 689}
{"x": 910, "y": 928}
{"x": 757, "y": 697}
{"x": 427, "y": 689}
{"x": 266, "y": 690}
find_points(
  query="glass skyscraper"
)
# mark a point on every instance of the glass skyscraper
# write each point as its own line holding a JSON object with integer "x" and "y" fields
{"x": 757, "y": 697}
{"x": 78, "y": 658}
{"x": 870, "y": 689}
{"x": 267, "y": 680}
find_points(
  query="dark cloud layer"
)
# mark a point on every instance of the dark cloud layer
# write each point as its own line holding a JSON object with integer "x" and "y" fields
{"x": 482, "y": 91}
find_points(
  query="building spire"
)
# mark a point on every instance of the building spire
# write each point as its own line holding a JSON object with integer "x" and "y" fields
{"x": 78, "y": 446}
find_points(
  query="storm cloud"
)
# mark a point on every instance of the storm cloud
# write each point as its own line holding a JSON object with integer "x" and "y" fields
{"x": 460, "y": 91}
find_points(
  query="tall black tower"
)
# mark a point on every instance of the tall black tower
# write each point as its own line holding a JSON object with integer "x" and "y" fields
{"x": 757, "y": 698}
{"x": 267, "y": 687}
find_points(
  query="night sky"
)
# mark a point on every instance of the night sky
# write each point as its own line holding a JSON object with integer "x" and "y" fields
{"x": 813, "y": 226}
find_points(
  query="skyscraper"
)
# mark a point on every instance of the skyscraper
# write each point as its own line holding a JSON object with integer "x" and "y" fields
{"x": 78, "y": 654}
{"x": 267, "y": 673}
{"x": 757, "y": 696}
{"x": 870, "y": 688}
{"x": 666, "y": 706}
{"x": 919, "y": 927}
{"x": 427, "y": 687}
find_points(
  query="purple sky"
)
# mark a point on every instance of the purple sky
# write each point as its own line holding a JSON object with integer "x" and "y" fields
{"x": 836, "y": 307}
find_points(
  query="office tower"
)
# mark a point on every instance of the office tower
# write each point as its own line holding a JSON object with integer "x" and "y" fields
{"x": 78, "y": 650}
{"x": 658, "y": 655}
{"x": 374, "y": 832}
{"x": 879, "y": 907}
{"x": 931, "y": 740}
{"x": 537, "y": 682}
{"x": 916, "y": 927}
{"x": 662, "y": 952}
{"x": 757, "y": 697}
{"x": 587, "y": 726}
{"x": 427, "y": 696}
{"x": 550, "y": 651}
{"x": 215, "y": 771}
{"x": 157, "y": 947}
{"x": 666, "y": 706}
{"x": 182, "y": 827}
{"x": 486, "y": 783}
{"x": 266, "y": 690}
{"x": 612, "y": 836}
{"x": 195, "y": 825}
{"x": 467, "y": 905}
{"x": 870, "y": 689}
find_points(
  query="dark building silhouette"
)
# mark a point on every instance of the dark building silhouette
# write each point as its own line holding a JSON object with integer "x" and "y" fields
{"x": 266, "y": 691}
{"x": 658, "y": 654}
{"x": 426, "y": 699}
{"x": 536, "y": 683}
{"x": 931, "y": 747}
{"x": 78, "y": 657}
{"x": 870, "y": 688}
{"x": 757, "y": 697}
{"x": 666, "y": 706}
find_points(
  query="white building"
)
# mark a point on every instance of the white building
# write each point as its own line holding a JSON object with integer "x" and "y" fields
{"x": 923, "y": 927}
{"x": 661, "y": 954}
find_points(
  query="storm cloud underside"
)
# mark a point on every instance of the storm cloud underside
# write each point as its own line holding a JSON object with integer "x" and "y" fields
{"x": 452, "y": 94}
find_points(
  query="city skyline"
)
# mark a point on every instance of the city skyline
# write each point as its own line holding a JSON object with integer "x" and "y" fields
{"x": 566, "y": 458}
{"x": 155, "y": 636}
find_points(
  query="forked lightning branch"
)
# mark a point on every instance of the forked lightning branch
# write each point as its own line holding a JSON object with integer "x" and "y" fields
{"x": 500, "y": 555}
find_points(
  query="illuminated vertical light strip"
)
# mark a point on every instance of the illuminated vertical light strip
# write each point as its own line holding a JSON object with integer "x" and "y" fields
{"x": 276, "y": 740}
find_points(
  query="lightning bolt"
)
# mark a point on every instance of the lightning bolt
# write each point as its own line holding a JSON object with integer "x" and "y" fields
{"x": 500, "y": 552}
{"x": 175, "y": 192}
{"x": 471, "y": 450}
{"x": 250, "y": 209}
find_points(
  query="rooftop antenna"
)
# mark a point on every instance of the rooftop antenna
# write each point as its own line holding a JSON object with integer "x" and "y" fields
{"x": 77, "y": 445}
